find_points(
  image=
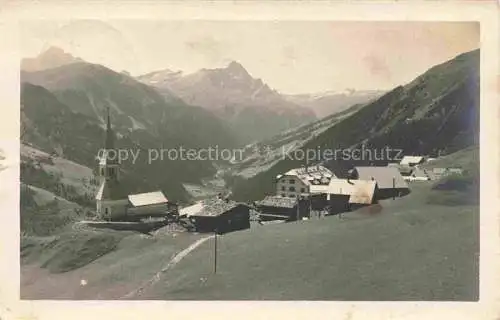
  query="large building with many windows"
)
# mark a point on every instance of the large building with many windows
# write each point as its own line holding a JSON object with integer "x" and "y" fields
{"x": 297, "y": 182}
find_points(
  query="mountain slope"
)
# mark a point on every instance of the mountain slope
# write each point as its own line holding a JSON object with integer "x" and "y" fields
{"x": 327, "y": 103}
{"x": 438, "y": 111}
{"x": 51, "y": 126}
{"x": 234, "y": 95}
{"x": 260, "y": 156}
{"x": 88, "y": 89}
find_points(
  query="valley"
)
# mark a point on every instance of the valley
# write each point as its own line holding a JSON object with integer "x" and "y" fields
{"x": 71, "y": 109}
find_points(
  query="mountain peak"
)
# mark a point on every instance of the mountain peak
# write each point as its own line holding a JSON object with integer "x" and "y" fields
{"x": 236, "y": 67}
{"x": 51, "y": 58}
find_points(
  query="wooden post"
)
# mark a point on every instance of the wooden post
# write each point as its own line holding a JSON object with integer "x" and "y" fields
{"x": 298, "y": 208}
{"x": 215, "y": 252}
{"x": 310, "y": 205}
{"x": 394, "y": 188}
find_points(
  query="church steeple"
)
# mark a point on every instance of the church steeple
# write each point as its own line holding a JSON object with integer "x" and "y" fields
{"x": 109, "y": 162}
{"x": 110, "y": 143}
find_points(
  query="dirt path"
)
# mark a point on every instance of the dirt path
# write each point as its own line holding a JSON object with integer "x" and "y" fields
{"x": 175, "y": 260}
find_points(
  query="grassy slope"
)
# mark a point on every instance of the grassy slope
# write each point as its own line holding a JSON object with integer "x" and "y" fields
{"x": 411, "y": 251}
{"x": 131, "y": 260}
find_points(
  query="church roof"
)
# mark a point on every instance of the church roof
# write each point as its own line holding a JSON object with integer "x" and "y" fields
{"x": 149, "y": 198}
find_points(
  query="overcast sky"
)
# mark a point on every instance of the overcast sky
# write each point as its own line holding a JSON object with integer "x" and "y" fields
{"x": 292, "y": 57}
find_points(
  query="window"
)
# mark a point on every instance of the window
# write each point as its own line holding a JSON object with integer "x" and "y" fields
{"x": 292, "y": 189}
{"x": 283, "y": 188}
{"x": 106, "y": 211}
{"x": 302, "y": 190}
{"x": 292, "y": 181}
{"x": 291, "y": 195}
{"x": 283, "y": 195}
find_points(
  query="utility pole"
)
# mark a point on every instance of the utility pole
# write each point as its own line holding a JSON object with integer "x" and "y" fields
{"x": 215, "y": 252}
{"x": 298, "y": 208}
{"x": 394, "y": 188}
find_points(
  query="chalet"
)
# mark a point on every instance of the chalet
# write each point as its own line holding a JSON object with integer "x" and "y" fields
{"x": 297, "y": 182}
{"x": 345, "y": 194}
{"x": 282, "y": 208}
{"x": 218, "y": 215}
{"x": 412, "y": 160}
{"x": 112, "y": 200}
{"x": 390, "y": 183}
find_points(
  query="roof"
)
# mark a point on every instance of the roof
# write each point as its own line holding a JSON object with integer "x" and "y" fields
{"x": 386, "y": 177}
{"x": 411, "y": 160}
{"x": 213, "y": 207}
{"x": 312, "y": 175}
{"x": 278, "y": 202}
{"x": 111, "y": 190}
{"x": 146, "y": 199}
{"x": 359, "y": 191}
{"x": 191, "y": 210}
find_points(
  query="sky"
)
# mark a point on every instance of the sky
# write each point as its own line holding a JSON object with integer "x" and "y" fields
{"x": 290, "y": 56}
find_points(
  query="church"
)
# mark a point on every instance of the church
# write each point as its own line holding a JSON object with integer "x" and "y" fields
{"x": 112, "y": 200}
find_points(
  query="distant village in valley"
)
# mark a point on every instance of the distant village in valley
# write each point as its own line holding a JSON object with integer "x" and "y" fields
{"x": 298, "y": 171}
{"x": 303, "y": 193}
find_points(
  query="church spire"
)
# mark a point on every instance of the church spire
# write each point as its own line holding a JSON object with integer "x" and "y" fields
{"x": 109, "y": 133}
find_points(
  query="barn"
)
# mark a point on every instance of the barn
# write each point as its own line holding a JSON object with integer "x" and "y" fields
{"x": 218, "y": 215}
{"x": 282, "y": 208}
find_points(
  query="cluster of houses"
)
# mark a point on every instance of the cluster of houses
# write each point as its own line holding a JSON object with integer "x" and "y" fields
{"x": 299, "y": 192}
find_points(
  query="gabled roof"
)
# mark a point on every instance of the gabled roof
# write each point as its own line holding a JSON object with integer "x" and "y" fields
{"x": 213, "y": 207}
{"x": 386, "y": 177}
{"x": 359, "y": 191}
{"x": 407, "y": 160}
{"x": 278, "y": 202}
{"x": 191, "y": 210}
{"x": 146, "y": 199}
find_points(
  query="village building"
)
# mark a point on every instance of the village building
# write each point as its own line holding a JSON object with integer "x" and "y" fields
{"x": 217, "y": 215}
{"x": 412, "y": 160}
{"x": 112, "y": 200}
{"x": 390, "y": 182}
{"x": 347, "y": 194}
{"x": 297, "y": 182}
{"x": 282, "y": 208}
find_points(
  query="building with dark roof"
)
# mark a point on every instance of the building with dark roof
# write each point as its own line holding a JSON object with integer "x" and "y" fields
{"x": 218, "y": 215}
{"x": 282, "y": 208}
